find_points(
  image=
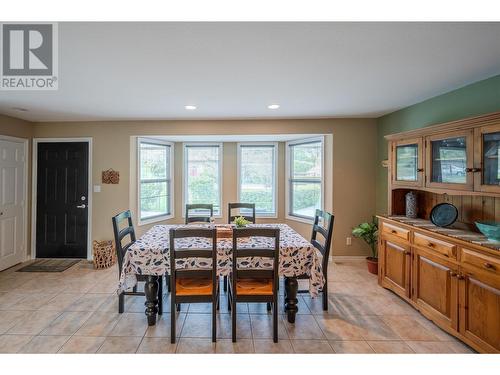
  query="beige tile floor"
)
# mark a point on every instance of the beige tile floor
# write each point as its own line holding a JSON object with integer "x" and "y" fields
{"x": 76, "y": 312}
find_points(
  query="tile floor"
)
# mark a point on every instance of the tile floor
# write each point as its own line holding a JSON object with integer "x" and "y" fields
{"x": 76, "y": 312}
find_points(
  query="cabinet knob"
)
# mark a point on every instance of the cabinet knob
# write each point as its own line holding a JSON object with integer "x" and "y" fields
{"x": 394, "y": 231}
{"x": 453, "y": 274}
{"x": 488, "y": 266}
{"x": 420, "y": 169}
{"x": 460, "y": 277}
{"x": 430, "y": 244}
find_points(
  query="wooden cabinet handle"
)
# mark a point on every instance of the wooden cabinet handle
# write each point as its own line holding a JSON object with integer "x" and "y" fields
{"x": 394, "y": 231}
{"x": 488, "y": 266}
{"x": 453, "y": 274}
{"x": 430, "y": 244}
{"x": 406, "y": 252}
{"x": 460, "y": 277}
{"x": 420, "y": 169}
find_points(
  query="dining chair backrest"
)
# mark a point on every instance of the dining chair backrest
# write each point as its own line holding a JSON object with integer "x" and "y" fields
{"x": 247, "y": 206}
{"x": 199, "y": 218}
{"x": 265, "y": 251}
{"x": 190, "y": 253}
{"x": 120, "y": 234}
{"x": 325, "y": 228}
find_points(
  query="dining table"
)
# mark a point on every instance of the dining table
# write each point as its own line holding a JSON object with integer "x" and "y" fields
{"x": 149, "y": 255}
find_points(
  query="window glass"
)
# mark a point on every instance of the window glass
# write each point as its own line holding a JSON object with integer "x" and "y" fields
{"x": 154, "y": 172}
{"x": 257, "y": 178}
{"x": 202, "y": 173}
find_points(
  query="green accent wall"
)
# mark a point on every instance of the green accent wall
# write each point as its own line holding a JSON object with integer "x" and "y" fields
{"x": 475, "y": 99}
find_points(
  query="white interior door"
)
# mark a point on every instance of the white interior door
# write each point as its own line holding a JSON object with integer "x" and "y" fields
{"x": 12, "y": 202}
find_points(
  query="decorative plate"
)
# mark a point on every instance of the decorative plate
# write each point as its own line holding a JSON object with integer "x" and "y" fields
{"x": 444, "y": 214}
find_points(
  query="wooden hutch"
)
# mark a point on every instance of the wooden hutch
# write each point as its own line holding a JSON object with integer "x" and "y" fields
{"x": 451, "y": 275}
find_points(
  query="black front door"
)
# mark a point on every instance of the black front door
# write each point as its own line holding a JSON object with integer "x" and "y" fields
{"x": 62, "y": 200}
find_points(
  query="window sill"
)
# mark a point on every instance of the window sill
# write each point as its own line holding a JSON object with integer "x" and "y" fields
{"x": 272, "y": 216}
{"x": 299, "y": 219}
{"x": 154, "y": 220}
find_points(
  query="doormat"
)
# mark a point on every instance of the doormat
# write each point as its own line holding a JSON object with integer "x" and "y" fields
{"x": 49, "y": 265}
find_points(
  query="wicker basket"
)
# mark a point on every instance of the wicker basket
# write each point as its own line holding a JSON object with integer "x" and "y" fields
{"x": 104, "y": 254}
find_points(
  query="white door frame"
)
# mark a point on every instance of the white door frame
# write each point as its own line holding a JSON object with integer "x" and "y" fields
{"x": 25, "y": 142}
{"x": 34, "y": 189}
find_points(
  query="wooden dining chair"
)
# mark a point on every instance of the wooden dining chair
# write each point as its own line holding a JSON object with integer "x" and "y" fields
{"x": 231, "y": 217}
{"x": 254, "y": 284}
{"x": 235, "y": 206}
{"x": 199, "y": 218}
{"x": 193, "y": 285}
{"x": 121, "y": 249}
{"x": 325, "y": 229}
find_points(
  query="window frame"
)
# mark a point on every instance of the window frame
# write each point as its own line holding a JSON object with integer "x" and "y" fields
{"x": 185, "y": 146}
{"x": 288, "y": 168}
{"x": 275, "y": 146}
{"x": 170, "y": 181}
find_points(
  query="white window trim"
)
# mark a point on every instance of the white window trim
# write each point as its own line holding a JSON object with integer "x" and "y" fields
{"x": 321, "y": 139}
{"x": 172, "y": 185}
{"x": 275, "y": 172}
{"x": 185, "y": 175}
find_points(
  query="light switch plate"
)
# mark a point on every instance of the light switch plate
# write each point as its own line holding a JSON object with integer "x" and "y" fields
{"x": 97, "y": 188}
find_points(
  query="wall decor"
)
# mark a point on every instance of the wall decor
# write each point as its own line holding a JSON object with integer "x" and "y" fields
{"x": 110, "y": 176}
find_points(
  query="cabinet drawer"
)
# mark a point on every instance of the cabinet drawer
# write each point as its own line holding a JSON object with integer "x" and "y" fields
{"x": 396, "y": 231}
{"x": 447, "y": 249}
{"x": 482, "y": 261}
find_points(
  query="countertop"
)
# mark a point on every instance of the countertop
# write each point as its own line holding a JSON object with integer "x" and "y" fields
{"x": 464, "y": 235}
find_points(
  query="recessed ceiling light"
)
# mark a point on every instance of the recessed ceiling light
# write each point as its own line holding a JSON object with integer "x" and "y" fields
{"x": 273, "y": 106}
{"x": 19, "y": 109}
{"x": 190, "y": 107}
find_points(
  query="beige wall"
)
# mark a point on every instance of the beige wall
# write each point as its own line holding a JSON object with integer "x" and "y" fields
{"x": 349, "y": 176}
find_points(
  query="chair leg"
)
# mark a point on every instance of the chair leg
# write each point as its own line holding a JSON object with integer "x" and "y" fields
{"x": 275, "y": 321}
{"x": 233, "y": 321}
{"x": 121, "y": 303}
{"x": 225, "y": 283}
{"x": 160, "y": 295}
{"x": 167, "y": 281}
{"x": 172, "y": 319}
{"x": 214, "y": 321}
{"x": 229, "y": 299}
{"x": 269, "y": 306}
{"x": 325, "y": 297}
{"x": 178, "y": 307}
{"x": 218, "y": 300}
{"x": 134, "y": 289}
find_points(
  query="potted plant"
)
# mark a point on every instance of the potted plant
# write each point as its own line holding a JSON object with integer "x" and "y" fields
{"x": 368, "y": 232}
{"x": 241, "y": 222}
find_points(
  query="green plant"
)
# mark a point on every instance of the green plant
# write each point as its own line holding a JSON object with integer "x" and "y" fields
{"x": 368, "y": 232}
{"x": 240, "y": 222}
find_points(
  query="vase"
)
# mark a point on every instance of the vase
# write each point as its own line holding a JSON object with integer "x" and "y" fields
{"x": 411, "y": 205}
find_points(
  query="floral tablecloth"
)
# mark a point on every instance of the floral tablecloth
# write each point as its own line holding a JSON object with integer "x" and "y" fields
{"x": 149, "y": 255}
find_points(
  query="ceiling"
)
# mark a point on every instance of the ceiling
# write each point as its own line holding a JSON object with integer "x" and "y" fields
{"x": 127, "y": 71}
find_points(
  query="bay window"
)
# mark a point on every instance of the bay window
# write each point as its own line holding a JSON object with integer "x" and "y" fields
{"x": 203, "y": 175}
{"x": 257, "y": 177}
{"x": 155, "y": 179}
{"x": 305, "y": 175}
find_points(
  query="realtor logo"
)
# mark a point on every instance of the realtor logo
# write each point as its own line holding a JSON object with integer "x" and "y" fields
{"x": 28, "y": 56}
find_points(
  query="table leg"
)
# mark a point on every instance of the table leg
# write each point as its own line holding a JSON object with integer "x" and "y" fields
{"x": 291, "y": 287}
{"x": 151, "y": 291}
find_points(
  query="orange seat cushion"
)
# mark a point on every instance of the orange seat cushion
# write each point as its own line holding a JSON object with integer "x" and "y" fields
{"x": 254, "y": 287}
{"x": 193, "y": 287}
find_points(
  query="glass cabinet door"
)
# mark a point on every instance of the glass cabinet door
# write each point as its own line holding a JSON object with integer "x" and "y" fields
{"x": 449, "y": 161}
{"x": 407, "y": 162}
{"x": 487, "y": 163}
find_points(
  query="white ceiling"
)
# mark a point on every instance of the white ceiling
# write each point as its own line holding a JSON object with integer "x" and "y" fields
{"x": 113, "y": 71}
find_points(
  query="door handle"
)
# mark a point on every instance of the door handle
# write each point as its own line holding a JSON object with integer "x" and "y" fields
{"x": 81, "y": 206}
